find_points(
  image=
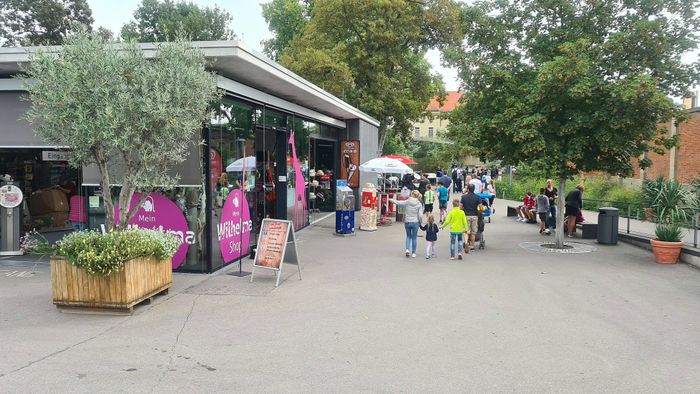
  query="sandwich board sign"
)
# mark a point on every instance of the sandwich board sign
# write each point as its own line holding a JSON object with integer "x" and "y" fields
{"x": 276, "y": 246}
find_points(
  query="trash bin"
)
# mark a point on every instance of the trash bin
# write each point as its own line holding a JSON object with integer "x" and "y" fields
{"x": 608, "y": 219}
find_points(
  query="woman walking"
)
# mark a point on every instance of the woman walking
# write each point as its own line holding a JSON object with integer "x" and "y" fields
{"x": 414, "y": 211}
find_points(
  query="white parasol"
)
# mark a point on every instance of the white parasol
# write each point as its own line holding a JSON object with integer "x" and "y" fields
{"x": 385, "y": 165}
{"x": 238, "y": 165}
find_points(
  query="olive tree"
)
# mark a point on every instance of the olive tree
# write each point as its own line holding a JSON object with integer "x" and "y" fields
{"x": 131, "y": 115}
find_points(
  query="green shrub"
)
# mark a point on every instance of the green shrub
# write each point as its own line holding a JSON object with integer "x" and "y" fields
{"x": 668, "y": 232}
{"x": 102, "y": 254}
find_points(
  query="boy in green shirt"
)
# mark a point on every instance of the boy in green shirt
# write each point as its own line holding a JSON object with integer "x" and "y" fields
{"x": 457, "y": 221}
{"x": 429, "y": 199}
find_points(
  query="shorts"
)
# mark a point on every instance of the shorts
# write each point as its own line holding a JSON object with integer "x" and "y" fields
{"x": 571, "y": 211}
{"x": 543, "y": 217}
{"x": 472, "y": 224}
{"x": 443, "y": 204}
{"x": 429, "y": 207}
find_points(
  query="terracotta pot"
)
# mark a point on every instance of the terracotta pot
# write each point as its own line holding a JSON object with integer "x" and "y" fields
{"x": 666, "y": 252}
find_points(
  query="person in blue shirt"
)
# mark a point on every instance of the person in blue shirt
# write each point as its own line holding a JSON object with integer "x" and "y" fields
{"x": 443, "y": 196}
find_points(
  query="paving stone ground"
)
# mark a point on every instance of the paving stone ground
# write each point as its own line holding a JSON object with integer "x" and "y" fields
{"x": 366, "y": 319}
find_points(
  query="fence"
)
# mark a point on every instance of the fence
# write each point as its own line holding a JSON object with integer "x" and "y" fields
{"x": 635, "y": 219}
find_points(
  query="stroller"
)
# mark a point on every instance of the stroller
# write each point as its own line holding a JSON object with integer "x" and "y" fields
{"x": 486, "y": 200}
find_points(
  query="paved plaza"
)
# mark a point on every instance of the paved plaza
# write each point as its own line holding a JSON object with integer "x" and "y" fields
{"x": 366, "y": 319}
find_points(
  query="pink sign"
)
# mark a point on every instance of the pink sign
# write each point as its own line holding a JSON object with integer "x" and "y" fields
{"x": 159, "y": 213}
{"x": 235, "y": 226}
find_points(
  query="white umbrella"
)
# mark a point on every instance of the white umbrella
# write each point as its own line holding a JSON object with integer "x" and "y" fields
{"x": 385, "y": 165}
{"x": 237, "y": 166}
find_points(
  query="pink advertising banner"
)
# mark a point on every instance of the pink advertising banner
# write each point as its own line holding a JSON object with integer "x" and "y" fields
{"x": 159, "y": 213}
{"x": 235, "y": 226}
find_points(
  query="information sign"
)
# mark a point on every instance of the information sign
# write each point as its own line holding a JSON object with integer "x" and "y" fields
{"x": 276, "y": 246}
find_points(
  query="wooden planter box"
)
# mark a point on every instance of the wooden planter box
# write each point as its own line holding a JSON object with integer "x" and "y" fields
{"x": 139, "y": 280}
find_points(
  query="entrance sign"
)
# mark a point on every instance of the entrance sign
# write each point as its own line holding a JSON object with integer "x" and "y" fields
{"x": 54, "y": 155}
{"x": 274, "y": 249}
{"x": 235, "y": 226}
{"x": 349, "y": 162}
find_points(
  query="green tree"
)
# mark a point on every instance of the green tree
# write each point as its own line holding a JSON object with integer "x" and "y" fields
{"x": 572, "y": 86}
{"x": 371, "y": 54}
{"x": 159, "y": 21}
{"x": 115, "y": 108}
{"x": 286, "y": 19}
{"x": 41, "y": 22}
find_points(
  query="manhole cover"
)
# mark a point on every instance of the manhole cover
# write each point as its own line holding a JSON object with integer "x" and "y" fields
{"x": 569, "y": 247}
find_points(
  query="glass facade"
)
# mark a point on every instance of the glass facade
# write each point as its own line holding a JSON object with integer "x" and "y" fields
{"x": 263, "y": 163}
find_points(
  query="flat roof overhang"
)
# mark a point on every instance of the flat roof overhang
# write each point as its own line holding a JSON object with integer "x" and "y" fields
{"x": 233, "y": 60}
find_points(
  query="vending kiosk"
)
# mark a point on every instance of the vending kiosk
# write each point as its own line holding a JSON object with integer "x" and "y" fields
{"x": 344, "y": 209}
{"x": 10, "y": 213}
{"x": 368, "y": 212}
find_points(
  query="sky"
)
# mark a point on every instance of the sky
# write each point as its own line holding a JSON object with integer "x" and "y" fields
{"x": 248, "y": 24}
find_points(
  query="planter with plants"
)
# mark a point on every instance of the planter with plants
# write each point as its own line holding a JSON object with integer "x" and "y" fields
{"x": 667, "y": 244}
{"x": 112, "y": 271}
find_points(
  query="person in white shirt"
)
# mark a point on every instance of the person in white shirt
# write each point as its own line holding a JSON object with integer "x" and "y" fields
{"x": 478, "y": 186}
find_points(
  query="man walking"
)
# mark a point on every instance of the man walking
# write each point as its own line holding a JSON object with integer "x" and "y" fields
{"x": 470, "y": 204}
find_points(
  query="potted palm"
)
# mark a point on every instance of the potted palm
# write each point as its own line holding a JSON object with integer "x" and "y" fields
{"x": 667, "y": 244}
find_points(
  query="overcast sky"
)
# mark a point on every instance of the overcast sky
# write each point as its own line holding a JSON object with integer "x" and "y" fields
{"x": 248, "y": 24}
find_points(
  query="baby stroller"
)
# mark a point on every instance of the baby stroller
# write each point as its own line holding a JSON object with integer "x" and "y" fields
{"x": 486, "y": 200}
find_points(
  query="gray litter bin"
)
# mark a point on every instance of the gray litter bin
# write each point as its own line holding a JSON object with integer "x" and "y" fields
{"x": 608, "y": 219}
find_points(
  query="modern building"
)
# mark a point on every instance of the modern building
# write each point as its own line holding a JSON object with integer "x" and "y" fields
{"x": 433, "y": 127}
{"x": 248, "y": 139}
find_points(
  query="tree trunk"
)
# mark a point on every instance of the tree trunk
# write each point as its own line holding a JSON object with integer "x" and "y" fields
{"x": 382, "y": 135}
{"x": 106, "y": 188}
{"x": 559, "y": 233}
{"x": 125, "y": 214}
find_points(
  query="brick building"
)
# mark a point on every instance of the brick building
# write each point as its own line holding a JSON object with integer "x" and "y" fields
{"x": 681, "y": 163}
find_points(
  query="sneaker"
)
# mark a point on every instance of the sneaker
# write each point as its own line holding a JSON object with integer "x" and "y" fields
{"x": 413, "y": 255}
{"x": 427, "y": 257}
{"x": 547, "y": 232}
{"x": 452, "y": 257}
{"x": 459, "y": 256}
{"x": 541, "y": 231}
{"x": 569, "y": 236}
{"x": 407, "y": 253}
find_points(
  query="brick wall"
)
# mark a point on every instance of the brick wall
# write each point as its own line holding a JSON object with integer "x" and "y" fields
{"x": 688, "y": 156}
{"x": 687, "y": 160}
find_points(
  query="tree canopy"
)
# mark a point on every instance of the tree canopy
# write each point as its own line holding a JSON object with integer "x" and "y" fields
{"x": 41, "y": 22}
{"x": 120, "y": 111}
{"x": 165, "y": 20}
{"x": 572, "y": 85}
{"x": 286, "y": 19}
{"x": 371, "y": 53}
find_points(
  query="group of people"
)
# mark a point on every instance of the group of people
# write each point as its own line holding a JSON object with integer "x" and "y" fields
{"x": 462, "y": 220}
{"x": 543, "y": 207}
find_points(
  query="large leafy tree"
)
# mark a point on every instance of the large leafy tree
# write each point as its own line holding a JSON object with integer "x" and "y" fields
{"x": 371, "y": 54}
{"x": 286, "y": 19}
{"x": 159, "y": 21}
{"x": 571, "y": 85}
{"x": 130, "y": 116}
{"x": 41, "y": 22}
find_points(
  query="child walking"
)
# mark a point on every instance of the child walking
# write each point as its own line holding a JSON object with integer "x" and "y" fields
{"x": 457, "y": 221}
{"x": 429, "y": 199}
{"x": 443, "y": 196}
{"x": 431, "y": 229}
{"x": 542, "y": 208}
